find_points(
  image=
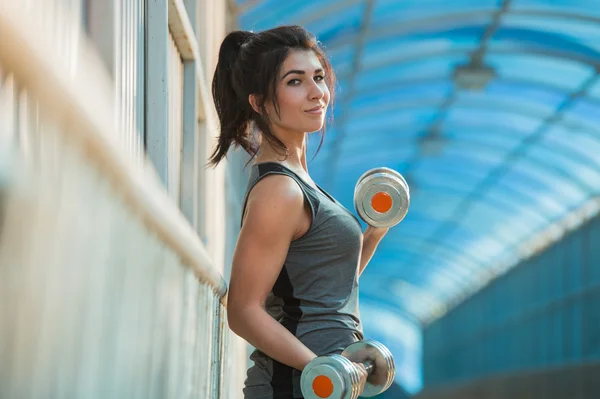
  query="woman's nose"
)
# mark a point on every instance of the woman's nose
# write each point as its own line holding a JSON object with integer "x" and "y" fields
{"x": 317, "y": 92}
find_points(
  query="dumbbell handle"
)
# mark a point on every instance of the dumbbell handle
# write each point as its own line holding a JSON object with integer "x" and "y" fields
{"x": 369, "y": 366}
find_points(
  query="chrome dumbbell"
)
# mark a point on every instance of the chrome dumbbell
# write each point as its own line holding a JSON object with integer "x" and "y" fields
{"x": 382, "y": 197}
{"x": 336, "y": 377}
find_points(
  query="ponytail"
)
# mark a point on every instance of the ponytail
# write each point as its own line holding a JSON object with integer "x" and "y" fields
{"x": 232, "y": 107}
{"x": 249, "y": 64}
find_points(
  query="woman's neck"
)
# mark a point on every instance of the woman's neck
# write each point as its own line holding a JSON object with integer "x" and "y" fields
{"x": 295, "y": 158}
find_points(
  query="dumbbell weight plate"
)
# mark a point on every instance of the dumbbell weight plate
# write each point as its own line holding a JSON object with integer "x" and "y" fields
{"x": 382, "y": 197}
{"x": 327, "y": 377}
{"x": 385, "y": 170}
{"x": 383, "y": 373}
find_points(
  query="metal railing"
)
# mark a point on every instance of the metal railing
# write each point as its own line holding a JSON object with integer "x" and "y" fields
{"x": 105, "y": 288}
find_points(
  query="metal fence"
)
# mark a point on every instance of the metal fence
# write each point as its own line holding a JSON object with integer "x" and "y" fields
{"x": 105, "y": 288}
{"x": 130, "y": 54}
{"x": 575, "y": 381}
{"x": 543, "y": 314}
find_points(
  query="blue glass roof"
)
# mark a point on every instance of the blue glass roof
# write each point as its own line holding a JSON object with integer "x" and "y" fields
{"x": 491, "y": 166}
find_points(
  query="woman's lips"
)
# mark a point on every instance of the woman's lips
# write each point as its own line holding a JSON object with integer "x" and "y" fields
{"x": 315, "y": 111}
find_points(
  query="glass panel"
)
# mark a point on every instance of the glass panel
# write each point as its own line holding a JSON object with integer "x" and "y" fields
{"x": 489, "y": 153}
{"x": 578, "y": 34}
{"x": 543, "y": 70}
{"x": 594, "y": 91}
{"x": 342, "y": 86}
{"x": 490, "y": 136}
{"x": 539, "y": 183}
{"x": 426, "y": 92}
{"x": 517, "y": 105}
{"x": 291, "y": 12}
{"x": 459, "y": 184}
{"x": 541, "y": 206}
{"x": 438, "y": 208}
{"x": 499, "y": 205}
{"x": 554, "y": 161}
{"x": 341, "y": 59}
{"x": 475, "y": 242}
{"x": 268, "y": 14}
{"x": 532, "y": 178}
{"x": 470, "y": 167}
{"x": 544, "y": 94}
{"x": 388, "y": 121}
{"x": 575, "y": 123}
{"x": 418, "y": 227}
{"x": 375, "y": 141}
{"x": 583, "y": 108}
{"x": 565, "y": 166}
{"x": 509, "y": 120}
{"x": 585, "y": 7}
{"x": 514, "y": 93}
{"x": 399, "y": 49}
{"x": 345, "y": 22}
{"x": 435, "y": 66}
{"x": 586, "y": 144}
{"x": 393, "y": 10}
{"x": 365, "y": 161}
{"x": 482, "y": 216}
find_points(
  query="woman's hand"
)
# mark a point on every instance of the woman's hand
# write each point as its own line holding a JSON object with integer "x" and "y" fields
{"x": 371, "y": 238}
{"x": 376, "y": 232}
{"x": 362, "y": 373}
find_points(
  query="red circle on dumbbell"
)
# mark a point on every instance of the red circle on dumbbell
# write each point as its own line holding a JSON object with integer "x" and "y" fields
{"x": 322, "y": 386}
{"x": 381, "y": 202}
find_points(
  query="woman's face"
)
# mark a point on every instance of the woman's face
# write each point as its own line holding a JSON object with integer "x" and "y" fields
{"x": 302, "y": 94}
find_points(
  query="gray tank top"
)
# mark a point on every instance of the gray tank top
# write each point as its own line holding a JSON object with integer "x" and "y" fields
{"x": 316, "y": 293}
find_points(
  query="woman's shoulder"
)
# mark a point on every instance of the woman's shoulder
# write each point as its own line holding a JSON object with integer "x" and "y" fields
{"x": 274, "y": 202}
{"x": 276, "y": 187}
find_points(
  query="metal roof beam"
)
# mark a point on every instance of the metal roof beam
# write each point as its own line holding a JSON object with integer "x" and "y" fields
{"x": 494, "y": 211}
{"x": 521, "y": 49}
{"x": 429, "y": 264}
{"x": 432, "y": 130}
{"x": 464, "y": 207}
{"x": 502, "y": 203}
{"x": 516, "y": 107}
{"x": 404, "y": 83}
{"x": 468, "y": 263}
{"x": 539, "y": 164}
{"x": 447, "y": 249}
{"x": 449, "y": 21}
{"x": 359, "y": 44}
{"x": 385, "y": 134}
{"x": 561, "y": 174}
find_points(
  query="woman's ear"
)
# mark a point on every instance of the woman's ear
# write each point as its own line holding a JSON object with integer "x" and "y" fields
{"x": 253, "y": 100}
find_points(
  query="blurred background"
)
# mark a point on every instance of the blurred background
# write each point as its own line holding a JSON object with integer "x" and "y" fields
{"x": 116, "y": 239}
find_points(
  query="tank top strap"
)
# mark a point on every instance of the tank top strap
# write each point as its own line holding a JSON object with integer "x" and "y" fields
{"x": 261, "y": 170}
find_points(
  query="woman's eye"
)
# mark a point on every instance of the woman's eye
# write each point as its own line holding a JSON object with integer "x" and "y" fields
{"x": 319, "y": 78}
{"x": 294, "y": 82}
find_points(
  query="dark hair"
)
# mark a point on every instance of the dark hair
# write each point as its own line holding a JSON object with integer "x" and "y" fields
{"x": 250, "y": 63}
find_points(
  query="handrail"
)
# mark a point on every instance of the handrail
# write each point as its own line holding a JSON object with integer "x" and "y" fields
{"x": 25, "y": 52}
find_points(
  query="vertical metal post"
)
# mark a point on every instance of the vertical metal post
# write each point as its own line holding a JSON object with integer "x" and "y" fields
{"x": 141, "y": 70}
{"x": 157, "y": 101}
{"x": 190, "y": 152}
{"x": 217, "y": 351}
{"x": 100, "y": 23}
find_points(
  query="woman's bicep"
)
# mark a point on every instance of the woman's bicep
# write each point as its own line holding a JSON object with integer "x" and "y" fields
{"x": 274, "y": 212}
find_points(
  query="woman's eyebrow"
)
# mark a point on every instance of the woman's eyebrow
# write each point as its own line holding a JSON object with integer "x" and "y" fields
{"x": 299, "y": 72}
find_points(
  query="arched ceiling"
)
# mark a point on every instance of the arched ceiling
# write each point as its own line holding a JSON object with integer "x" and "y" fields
{"x": 489, "y": 108}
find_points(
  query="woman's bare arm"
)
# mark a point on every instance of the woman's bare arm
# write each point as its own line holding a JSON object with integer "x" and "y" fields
{"x": 275, "y": 215}
{"x": 371, "y": 238}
